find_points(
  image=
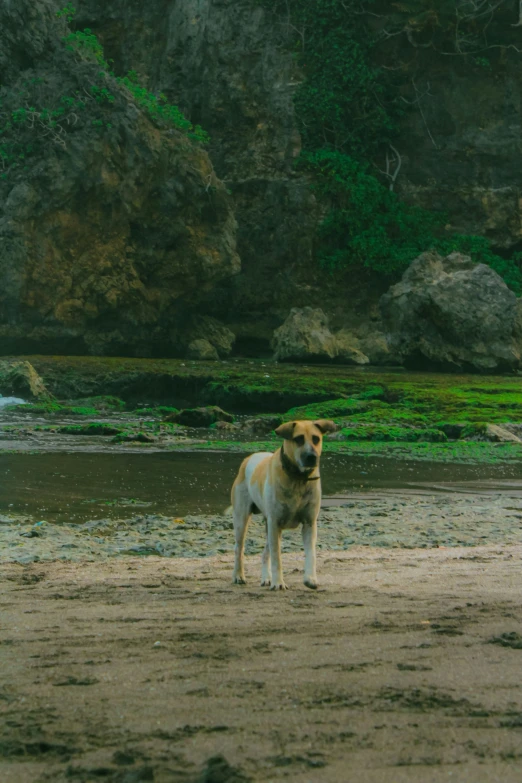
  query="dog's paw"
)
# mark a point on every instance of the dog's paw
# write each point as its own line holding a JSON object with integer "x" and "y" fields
{"x": 265, "y": 583}
{"x": 312, "y": 583}
{"x": 278, "y": 586}
{"x": 239, "y": 580}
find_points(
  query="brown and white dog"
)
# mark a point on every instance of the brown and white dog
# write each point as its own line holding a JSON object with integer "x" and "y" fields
{"x": 286, "y": 488}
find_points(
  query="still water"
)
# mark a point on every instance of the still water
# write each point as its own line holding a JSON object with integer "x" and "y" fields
{"x": 60, "y": 487}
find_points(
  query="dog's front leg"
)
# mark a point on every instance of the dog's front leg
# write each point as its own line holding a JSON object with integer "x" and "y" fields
{"x": 274, "y": 545}
{"x": 309, "y": 540}
{"x": 266, "y": 576}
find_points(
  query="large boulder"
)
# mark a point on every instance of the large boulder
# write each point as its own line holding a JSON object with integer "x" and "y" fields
{"x": 115, "y": 225}
{"x": 306, "y": 336}
{"x": 452, "y": 313}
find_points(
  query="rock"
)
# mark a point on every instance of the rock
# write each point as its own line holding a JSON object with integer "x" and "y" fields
{"x": 203, "y": 350}
{"x": 218, "y": 770}
{"x": 137, "y": 437}
{"x": 116, "y": 224}
{"x": 349, "y": 348}
{"x": 224, "y": 426}
{"x": 21, "y": 378}
{"x": 374, "y": 345}
{"x": 262, "y": 425}
{"x": 452, "y": 313}
{"x": 500, "y": 434}
{"x": 200, "y": 417}
{"x": 212, "y": 331}
{"x": 453, "y": 430}
{"x": 304, "y": 336}
{"x": 490, "y": 432}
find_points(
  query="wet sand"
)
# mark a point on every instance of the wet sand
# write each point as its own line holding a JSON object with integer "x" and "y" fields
{"x": 139, "y": 669}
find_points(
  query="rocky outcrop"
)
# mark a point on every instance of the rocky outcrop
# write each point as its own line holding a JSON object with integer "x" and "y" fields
{"x": 452, "y": 313}
{"x": 116, "y": 223}
{"x": 230, "y": 65}
{"x": 20, "y": 378}
{"x": 306, "y": 336}
{"x": 208, "y": 338}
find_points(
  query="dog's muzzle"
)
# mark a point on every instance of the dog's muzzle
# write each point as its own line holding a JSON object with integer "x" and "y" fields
{"x": 309, "y": 460}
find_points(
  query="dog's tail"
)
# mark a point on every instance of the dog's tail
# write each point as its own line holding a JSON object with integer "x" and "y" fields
{"x": 227, "y": 511}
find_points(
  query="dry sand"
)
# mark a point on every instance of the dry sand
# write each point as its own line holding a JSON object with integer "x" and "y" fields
{"x": 385, "y": 674}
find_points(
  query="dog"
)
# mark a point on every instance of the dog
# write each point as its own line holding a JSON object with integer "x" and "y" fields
{"x": 286, "y": 488}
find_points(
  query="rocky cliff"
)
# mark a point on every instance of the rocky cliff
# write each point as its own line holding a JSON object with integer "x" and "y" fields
{"x": 230, "y": 66}
{"x": 112, "y": 225}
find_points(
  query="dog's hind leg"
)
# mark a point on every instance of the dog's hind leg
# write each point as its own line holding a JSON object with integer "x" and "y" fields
{"x": 242, "y": 516}
{"x": 265, "y": 562}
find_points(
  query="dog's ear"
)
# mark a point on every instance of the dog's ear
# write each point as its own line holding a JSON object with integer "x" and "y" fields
{"x": 325, "y": 425}
{"x": 285, "y": 430}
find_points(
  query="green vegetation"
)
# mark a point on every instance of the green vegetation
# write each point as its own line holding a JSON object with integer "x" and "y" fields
{"x": 392, "y": 433}
{"x": 85, "y": 43}
{"x": 94, "y": 428}
{"x": 32, "y": 115}
{"x": 395, "y": 414}
{"x": 349, "y": 108}
{"x": 89, "y": 406}
{"x": 461, "y": 452}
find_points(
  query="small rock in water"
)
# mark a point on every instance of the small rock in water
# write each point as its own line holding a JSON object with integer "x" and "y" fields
{"x": 157, "y": 644}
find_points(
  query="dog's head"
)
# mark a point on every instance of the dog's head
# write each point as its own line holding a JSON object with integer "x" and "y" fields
{"x": 304, "y": 441}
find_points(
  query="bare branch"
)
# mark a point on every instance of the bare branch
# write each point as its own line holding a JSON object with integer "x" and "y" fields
{"x": 519, "y": 23}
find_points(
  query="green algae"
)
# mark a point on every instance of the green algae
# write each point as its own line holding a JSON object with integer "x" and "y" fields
{"x": 387, "y": 413}
{"x": 392, "y": 433}
{"x": 461, "y": 452}
{"x": 93, "y": 428}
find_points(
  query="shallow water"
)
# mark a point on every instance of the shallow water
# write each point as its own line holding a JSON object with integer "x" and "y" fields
{"x": 5, "y": 401}
{"x": 61, "y": 487}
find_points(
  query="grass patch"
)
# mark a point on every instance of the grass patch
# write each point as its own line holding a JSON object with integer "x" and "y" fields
{"x": 94, "y": 428}
{"x": 461, "y": 452}
{"x": 392, "y": 433}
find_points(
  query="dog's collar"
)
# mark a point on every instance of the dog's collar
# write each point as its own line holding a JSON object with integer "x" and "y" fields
{"x": 293, "y": 472}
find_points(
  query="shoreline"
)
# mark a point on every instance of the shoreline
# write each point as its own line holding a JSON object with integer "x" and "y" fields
{"x": 385, "y": 520}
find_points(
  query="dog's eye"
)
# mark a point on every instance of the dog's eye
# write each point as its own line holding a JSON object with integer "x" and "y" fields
{"x": 299, "y": 440}
{"x": 315, "y": 439}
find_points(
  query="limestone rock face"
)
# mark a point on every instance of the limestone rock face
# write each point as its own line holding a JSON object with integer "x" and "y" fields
{"x": 116, "y": 223}
{"x": 450, "y": 312}
{"x": 306, "y": 336}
